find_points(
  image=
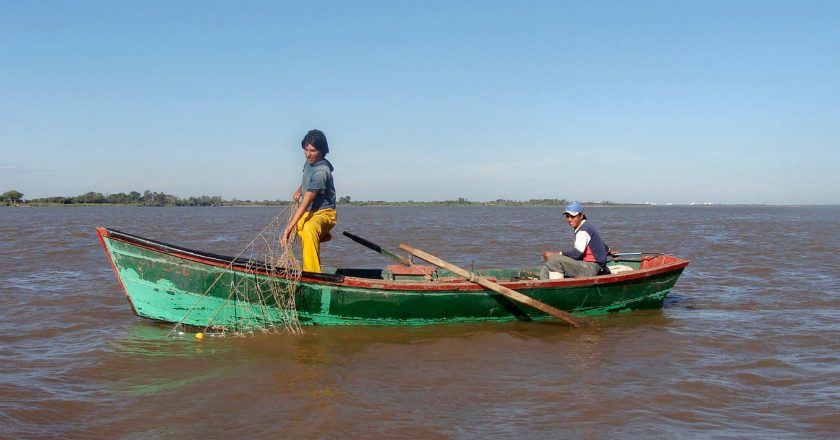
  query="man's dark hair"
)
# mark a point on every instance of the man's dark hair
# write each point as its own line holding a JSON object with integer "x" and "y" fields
{"x": 317, "y": 139}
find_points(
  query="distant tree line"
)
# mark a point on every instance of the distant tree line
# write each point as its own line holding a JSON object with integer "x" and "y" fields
{"x": 150, "y": 198}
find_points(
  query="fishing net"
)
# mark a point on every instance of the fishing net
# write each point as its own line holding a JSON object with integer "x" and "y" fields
{"x": 260, "y": 292}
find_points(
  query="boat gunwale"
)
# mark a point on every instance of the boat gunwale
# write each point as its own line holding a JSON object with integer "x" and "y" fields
{"x": 261, "y": 268}
{"x": 208, "y": 258}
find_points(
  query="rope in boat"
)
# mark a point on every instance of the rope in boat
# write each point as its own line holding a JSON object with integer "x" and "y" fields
{"x": 258, "y": 298}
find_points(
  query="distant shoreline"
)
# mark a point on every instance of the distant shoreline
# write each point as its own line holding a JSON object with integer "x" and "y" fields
{"x": 14, "y": 198}
{"x": 150, "y": 198}
{"x": 359, "y": 204}
{"x": 413, "y": 204}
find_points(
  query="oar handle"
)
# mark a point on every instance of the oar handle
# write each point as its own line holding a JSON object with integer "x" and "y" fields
{"x": 484, "y": 282}
{"x": 375, "y": 247}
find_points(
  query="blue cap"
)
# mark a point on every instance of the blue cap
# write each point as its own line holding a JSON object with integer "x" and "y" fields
{"x": 573, "y": 209}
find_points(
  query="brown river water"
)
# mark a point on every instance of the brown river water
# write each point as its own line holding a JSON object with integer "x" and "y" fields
{"x": 746, "y": 346}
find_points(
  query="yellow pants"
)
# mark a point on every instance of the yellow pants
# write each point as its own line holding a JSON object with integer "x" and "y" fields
{"x": 312, "y": 228}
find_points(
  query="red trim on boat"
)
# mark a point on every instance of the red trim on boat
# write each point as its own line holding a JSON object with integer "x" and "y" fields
{"x": 672, "y": 264}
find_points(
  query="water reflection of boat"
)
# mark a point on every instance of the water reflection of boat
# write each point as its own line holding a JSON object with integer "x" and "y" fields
{"x": 174, "y": 284}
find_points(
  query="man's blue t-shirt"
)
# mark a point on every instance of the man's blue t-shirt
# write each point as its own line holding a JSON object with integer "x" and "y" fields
{"x": 318, "y": 178}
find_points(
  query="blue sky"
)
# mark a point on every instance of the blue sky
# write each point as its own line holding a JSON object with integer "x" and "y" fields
{"x": 637, "y": 101}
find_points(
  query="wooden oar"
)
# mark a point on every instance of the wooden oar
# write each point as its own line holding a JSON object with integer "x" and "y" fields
{"x": 370, "y": 245}
{"x": 510, "y": 293}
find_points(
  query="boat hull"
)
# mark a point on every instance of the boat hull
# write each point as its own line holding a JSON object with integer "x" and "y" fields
{"x": 178, "y": 285}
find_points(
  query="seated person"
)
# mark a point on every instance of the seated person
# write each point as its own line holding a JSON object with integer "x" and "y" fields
{"x": 587, "y": 258}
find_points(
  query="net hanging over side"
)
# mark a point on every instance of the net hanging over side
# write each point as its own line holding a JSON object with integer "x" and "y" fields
{"x": 258, "y": 295}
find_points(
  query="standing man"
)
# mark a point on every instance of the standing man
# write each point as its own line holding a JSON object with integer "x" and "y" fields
{"x": 587, "y": 258}
{"x": 315, "y": 216}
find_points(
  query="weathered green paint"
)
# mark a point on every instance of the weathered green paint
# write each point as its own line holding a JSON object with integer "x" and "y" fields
{"x": 326, "y": 297}
{"x": 167, "y": 287}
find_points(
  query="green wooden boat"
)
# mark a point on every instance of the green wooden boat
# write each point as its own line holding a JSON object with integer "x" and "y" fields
{"x": 174, "y": 284}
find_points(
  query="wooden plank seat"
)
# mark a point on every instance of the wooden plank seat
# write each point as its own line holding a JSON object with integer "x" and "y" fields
{"x": 398, "y": 270}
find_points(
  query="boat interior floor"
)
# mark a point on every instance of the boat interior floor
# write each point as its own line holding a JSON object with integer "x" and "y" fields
{"x": 430, "y": 273}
